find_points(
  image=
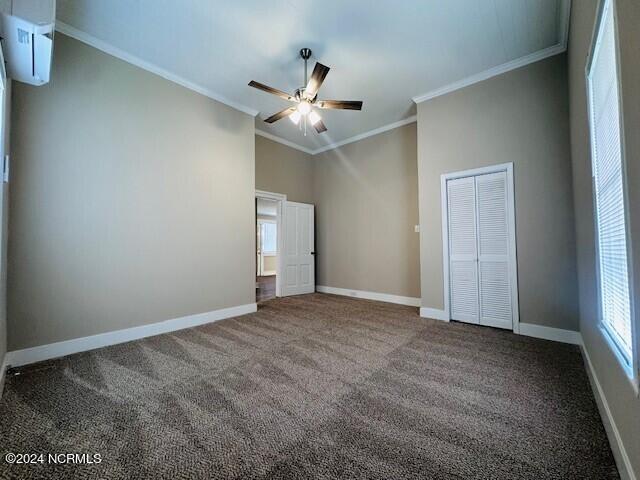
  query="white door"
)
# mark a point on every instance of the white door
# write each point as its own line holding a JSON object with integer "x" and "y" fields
{"x": 493, "y": 250}
{"x": 479, "y": 243}
{"x": 463, "y": 254}
{"x": 298, "y": 257}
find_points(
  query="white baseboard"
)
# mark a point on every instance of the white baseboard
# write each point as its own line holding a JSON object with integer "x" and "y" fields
{"x": 550, "y": 333}
{"x": 617, "y": 447}
{"x": 434, "y": 313}
{"x": 60, "y": 349}
{"x": 381, "y": 297}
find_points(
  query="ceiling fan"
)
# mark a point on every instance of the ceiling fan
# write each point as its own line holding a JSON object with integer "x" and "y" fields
{"x": 306, "y": 98}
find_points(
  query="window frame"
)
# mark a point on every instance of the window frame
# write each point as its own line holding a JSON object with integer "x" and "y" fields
{"x": 261, "y": 222}
{"x": 630, "y": 366}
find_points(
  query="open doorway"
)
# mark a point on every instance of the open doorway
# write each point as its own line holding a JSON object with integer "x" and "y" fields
{"x": 268, "y": 242}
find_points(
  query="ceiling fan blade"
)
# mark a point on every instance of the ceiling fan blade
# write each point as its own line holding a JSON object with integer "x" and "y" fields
{"x": 339, "y": 104}
{"x": 320, "y": 126}
{"x": 281, "y": 114}
{"x": 315, "y": 82}
{"x": 273, "y": 91}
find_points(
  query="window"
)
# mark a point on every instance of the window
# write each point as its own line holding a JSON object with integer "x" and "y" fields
{"x": 609, "y": 187}
{"x": 268, "y": 237}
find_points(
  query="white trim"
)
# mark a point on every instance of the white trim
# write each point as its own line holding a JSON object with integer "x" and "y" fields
{"x": 501, "y": 167}
{"x": 434, "y": 313}
{"x": 631, "y": 366}
{"x": 615, "y": 440}
{"x": 492, "y": 72}
{"x": 271, "y": 195}
{"x": 370, "y": 133}
{"x": 550, "y": 333}
{"x": 26, "y": 356}
{"x": 564, "y": 20}
{"x": 149, "y": 67}
{"x": 281, "y": 198}
{"x": 281, "y": 140}
{"x": 444, "y": 218}
{"x": 564, "y": 14}
{"x": 513, "y": 255}
{"x": 333, "y": 146}
{"x": 3, "y": 371}
{"x": 381, "y": 297}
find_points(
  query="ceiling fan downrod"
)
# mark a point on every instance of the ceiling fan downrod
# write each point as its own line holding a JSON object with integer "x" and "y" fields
{"x": 305, "y": 53}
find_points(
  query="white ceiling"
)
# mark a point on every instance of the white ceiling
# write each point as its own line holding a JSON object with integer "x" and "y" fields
{"x": 384, "y": 52}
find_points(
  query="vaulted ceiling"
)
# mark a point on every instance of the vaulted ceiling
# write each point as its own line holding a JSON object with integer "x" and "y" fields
{"x": 385, "y": 53}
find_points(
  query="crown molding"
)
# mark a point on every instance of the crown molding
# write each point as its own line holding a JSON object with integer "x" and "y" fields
{"x": 564, "y": 17}
{"x": 281, "y": 140}
{"x": 362, "y": 136}
{"x": 492, "y": 72}
{"x": 148, "y": 66}
{"x": 560, "y": 47}
{"x": 346, "y": 141}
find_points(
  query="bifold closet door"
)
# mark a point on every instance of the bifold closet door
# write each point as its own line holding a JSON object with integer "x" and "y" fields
{"x": 463, "y": 253}
{"x": 493, "y": 250}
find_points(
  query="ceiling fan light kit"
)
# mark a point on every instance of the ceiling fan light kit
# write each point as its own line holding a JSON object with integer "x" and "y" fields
{"x": 306, "y": 98}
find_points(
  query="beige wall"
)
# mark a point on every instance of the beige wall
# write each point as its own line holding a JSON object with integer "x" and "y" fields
{"x": 520, "y": 117}
{"x": 623, "y": 403}
{"x": 132, "y": 201}
{"x": 366, "y": 196}
{"x": 283, "y": 169}
{"x": 270, "y": 263}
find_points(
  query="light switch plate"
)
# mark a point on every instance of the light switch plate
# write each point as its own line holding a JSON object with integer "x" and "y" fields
{"x": 416, "y": 228}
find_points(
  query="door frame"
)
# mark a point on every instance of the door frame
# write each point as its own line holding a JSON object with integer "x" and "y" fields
{"x": 280, "y": 198}
{"x": 259, "y": 223}
{"x": 511, "y": 218}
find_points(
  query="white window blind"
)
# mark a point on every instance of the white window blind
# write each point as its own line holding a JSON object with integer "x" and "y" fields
{"x": 608, "y": 180}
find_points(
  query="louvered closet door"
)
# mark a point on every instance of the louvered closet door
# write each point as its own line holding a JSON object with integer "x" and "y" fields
{"x": 493, "y": 250}
{"x": 463, "y": 258}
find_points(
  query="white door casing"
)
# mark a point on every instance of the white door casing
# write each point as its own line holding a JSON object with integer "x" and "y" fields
{"x": 298, "y": 249}
{"x": 479, "y": 247}
{"x": 280, "y": 198}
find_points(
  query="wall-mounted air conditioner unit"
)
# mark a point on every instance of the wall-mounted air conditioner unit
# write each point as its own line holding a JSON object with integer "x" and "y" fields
{"x": 27, "y": 30}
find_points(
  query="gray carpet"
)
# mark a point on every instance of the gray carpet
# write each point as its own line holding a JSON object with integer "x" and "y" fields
{"x": 313, "y": 387}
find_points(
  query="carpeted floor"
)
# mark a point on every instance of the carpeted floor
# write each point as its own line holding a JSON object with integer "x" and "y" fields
{"x": 313, "y": 387}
